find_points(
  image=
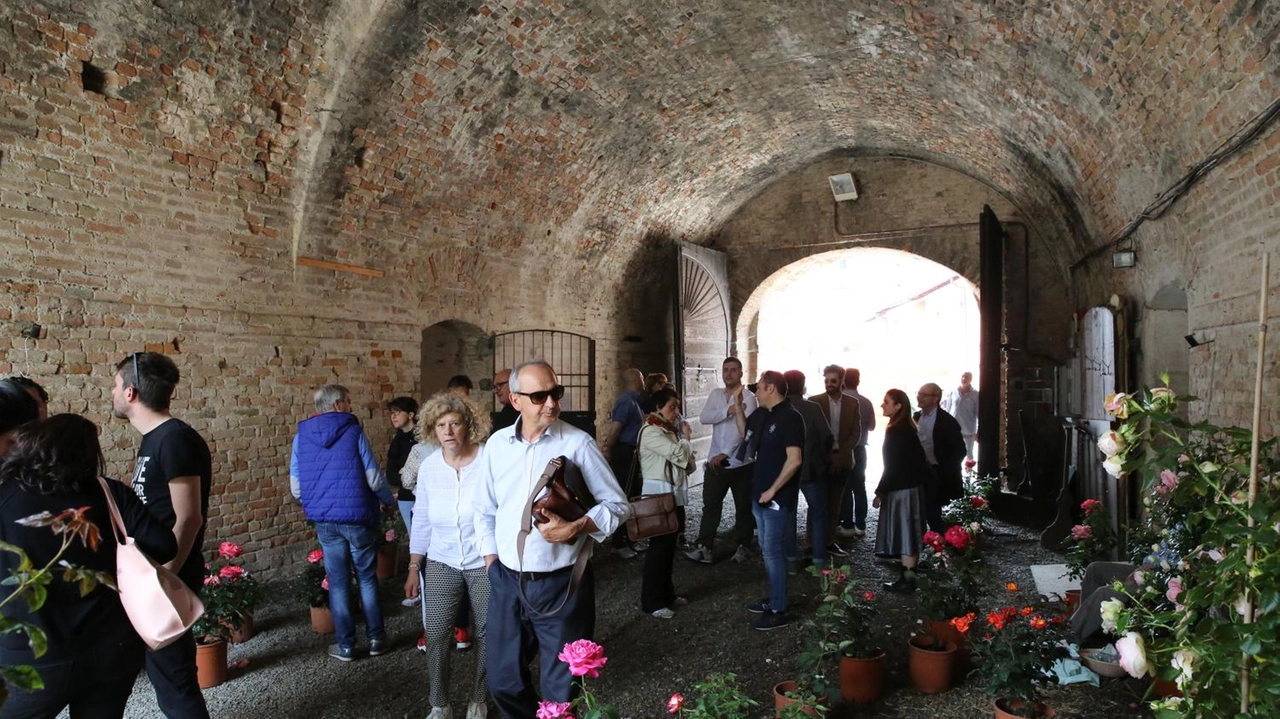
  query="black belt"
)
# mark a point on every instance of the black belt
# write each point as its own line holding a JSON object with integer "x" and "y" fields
{"x": 535, "y": 576}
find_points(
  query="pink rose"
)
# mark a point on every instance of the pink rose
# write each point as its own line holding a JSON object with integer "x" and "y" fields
{"x": 230, "y": 550}
{"x": 957, "y": 537}
{"x": 324, "y": 584}
{"x": 554, "y": 710}
{"x": 315, "y": 556}
{"x": 1168, "y": 480}
{"x": 231, "y": 572}
{"x": 1081, "y": 531}
{"x": 211, "y": 580}
{"x": 391, "y": 535}
{"x": 1090, "y": 505}
{"x": 675, "y": 703}
{"x": 584, "y": 657}
{"x": 868, "y": 596}
{"x": 1175, "y": 588}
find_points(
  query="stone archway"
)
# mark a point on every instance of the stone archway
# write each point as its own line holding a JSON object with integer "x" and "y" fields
{"x": 454, "y": 347}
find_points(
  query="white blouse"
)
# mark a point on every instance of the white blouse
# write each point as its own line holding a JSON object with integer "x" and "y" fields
{"x": 443, "y": 519}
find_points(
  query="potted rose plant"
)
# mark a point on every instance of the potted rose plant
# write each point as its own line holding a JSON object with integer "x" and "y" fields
{"x": 974, "y": 506}
{"x": 213, "y": 629}
{"x": 1205, "y": 612}
{"x": 313, "y": 589}
{"x": 1018, "y": 645}
{"x": 952, "y": 586}
{"x": 716, "y": 697}
{"x": 841, "y": 628}
{"x": 243, "y": 591}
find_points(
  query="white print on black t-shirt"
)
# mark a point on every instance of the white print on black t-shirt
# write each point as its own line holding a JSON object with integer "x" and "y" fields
{"x": 140, "y": 487}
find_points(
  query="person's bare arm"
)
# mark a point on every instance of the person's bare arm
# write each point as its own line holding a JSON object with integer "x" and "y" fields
{"x": 789, "y": 469}
{"x": 185, "y": 494}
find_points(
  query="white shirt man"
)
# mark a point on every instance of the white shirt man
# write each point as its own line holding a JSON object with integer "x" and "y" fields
{"x": 532, "y": 594}
{"x": 962, "y": 403}
{"x": 726, "y": 412}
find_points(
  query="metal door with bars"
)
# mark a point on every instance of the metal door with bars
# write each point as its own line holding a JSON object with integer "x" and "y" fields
{"x": 572, "y": 356}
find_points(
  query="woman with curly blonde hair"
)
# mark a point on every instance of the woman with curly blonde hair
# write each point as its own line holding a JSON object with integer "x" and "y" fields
{"x": 445, "y": 562}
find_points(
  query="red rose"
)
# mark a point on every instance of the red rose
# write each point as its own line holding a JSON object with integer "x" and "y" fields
{"x": 315, "y": 556}
{"x": 977, "y": 502}
{"x": 933, "y": 539}
{"x": 230, "y": 550}
{"x": 957, "y": 537}
{"x": 1090, "y": 505}
{"x": 231, "y": 572}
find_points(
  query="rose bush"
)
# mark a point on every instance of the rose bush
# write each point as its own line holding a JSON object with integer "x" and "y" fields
{"x": 1092, "y": 540}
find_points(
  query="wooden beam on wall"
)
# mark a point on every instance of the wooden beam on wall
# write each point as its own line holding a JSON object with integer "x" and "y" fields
{"x": 339, "y": 267}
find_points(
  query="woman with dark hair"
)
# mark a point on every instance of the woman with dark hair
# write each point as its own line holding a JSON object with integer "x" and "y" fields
{"x": 17, "y": 407}
{"x": 93, "y": 654}
{"x": 666, "y": 459}
{"x": 898, "y": 496}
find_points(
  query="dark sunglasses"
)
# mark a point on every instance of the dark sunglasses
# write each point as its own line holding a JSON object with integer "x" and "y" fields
{"x": 540, "y": 398}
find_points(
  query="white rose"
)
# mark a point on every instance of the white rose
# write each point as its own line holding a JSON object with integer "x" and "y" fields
{"x": 1110, "y": 610}
{"x": 1183, "y": 661}
{"x": 974, "y": 527}
{"x": 1133, "y": 654}
{"x": 1111, "y": 443}
{"x": 1113, "y": 466}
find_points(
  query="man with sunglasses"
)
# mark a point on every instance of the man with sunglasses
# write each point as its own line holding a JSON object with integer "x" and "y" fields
{"x": 172, "y": 476}
{"x": 532, "y": 596}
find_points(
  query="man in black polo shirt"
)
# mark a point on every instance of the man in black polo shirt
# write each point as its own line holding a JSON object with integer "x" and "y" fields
{"x": 777, "y": 434}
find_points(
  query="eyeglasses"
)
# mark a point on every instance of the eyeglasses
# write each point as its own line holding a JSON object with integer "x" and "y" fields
{"x": 540, "y": 397}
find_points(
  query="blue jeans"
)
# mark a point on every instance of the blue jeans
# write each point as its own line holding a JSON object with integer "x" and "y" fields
{"x": 345, "y": 545}
{"x": 815, "y": 495}
{"x": 771, "y": 524}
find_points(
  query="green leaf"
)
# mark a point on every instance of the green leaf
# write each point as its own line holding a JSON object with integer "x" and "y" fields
{"x": 22, "y": 677}
{"x": 1251, "y": 644}
{"x": 35, "y": 596}
{"x": 37, "y": 640}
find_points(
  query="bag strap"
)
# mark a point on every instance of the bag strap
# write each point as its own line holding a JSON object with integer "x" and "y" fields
{"x": 526, "y": 526}
{"x": 117, "y": 524}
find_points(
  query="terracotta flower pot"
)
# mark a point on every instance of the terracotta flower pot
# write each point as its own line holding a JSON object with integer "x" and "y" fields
{"x": 1072, "y": 599}
{"x": 780, "y": 700}
{"x": 211, "y": 664}
{"x": 930, "y": 670}
{"x": 862, "y": 680}
{"x": 387, "y": 560}
{"x": 1018, "y": 709}
{"x": 244, "y": 631}
{"x": 963, "y": 663}
{"x": 321, "y": 620}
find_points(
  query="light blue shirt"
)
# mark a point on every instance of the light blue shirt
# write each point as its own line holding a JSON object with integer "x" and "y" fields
{"x": 509, "y": 470}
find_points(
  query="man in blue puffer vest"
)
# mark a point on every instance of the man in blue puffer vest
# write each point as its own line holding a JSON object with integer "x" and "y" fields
{"x": 336, "y": 477}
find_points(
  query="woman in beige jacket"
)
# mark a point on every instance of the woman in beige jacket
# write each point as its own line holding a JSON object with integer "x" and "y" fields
{"x": 666, "y": 459}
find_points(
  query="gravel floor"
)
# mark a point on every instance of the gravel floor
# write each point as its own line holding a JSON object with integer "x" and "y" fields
{"x": 288, "y": 674}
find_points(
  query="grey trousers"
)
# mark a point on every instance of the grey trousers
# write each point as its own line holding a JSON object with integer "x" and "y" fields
{"x": 442, "y": 590}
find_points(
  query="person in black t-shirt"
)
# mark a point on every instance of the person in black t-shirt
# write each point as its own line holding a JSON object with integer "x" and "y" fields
{"x": 172, "y": 476}
{"x": 779, "y": 443}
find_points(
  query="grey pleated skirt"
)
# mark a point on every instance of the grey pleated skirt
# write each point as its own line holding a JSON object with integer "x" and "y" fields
{"x": 901, "y": 525}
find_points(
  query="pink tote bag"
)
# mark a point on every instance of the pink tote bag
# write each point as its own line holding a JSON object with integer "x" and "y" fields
{"x": 160, "y": 606}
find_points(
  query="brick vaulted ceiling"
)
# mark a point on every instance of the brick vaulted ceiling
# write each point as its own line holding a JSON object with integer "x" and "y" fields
{"x": 584, "y": 128}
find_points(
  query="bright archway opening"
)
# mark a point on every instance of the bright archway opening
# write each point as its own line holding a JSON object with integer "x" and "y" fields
{"x": 900, "y": 319}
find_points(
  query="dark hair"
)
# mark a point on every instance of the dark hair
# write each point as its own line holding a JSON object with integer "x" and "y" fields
{"x": 459, "y": 381}
{"x": 60, "y": 454}
{"x": 654, "y": 378}
{"x": 734, "y": 360}
{"x": 404, "y": 404}
{"x": 663, "y": 396}
{"x": 834, "y": 369}
{"x": 852, "y": 378}
{"x": 774, "y": 380}
{"x": 795, "y": 382}
{"x": 156, "y": 377}
{"x": 17, "y": 406}
{"x": 904, "y": 407}
{"x": 29, "y": 384}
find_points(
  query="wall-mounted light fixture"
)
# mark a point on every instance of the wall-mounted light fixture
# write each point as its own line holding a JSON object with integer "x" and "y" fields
{"x": 1124, "y": 259}
{"x": 1192, "y": 342}
{"x": 843, "y": 187}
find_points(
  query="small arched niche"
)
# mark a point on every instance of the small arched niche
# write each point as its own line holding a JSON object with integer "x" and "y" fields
{"x": 455, "y": 347}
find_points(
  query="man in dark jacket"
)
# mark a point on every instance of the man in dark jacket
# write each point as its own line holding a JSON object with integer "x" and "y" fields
{"x": 944, "y": 448}
{"x": 813, "y": 474}
{"x": 336, "y": 477}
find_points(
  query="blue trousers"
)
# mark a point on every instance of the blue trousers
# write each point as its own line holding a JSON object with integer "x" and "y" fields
{"x": 771, "y": 524}
{"x": 515, "y": 633}
{"x": 347, "y": 545}
{"x": 815, "y": 495}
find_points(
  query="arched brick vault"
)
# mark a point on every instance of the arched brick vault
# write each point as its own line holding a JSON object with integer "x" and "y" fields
{"x": 524, "y": 163}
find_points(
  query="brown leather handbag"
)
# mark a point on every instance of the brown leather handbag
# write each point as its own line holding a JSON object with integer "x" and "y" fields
{"x": 653, "y": 515}
{"x": 567, "y": 494}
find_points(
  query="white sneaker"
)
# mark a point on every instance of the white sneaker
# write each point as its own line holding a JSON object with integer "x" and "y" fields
{"x": 477, "y": 710}
{"x": 664, "y": 613}
{"x": 441, "y": 713}
{"x": 699, "y": 554}
{"x": 742, "y": 555}
{"x": 410, "y": 601}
